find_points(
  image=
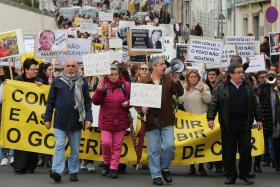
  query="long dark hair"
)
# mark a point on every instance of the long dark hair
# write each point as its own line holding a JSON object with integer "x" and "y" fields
{"x": 42, "y": 70}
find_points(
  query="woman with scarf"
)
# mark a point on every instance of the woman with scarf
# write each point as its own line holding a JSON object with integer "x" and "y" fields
{"x": 112, "y": 94}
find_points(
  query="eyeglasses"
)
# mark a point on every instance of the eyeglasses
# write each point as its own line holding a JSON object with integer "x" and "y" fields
{"x": 144, "y": 69}
{"x": 72, "y": 66}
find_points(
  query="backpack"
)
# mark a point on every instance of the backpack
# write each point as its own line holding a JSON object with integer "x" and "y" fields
{"x": 121, "y": 86}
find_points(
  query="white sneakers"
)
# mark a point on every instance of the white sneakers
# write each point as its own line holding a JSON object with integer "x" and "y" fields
{"x": 12, "y": 160}
{"x": 83, "y": 165}
{"x": 90, "y": 167}
{"x": 5, "y": 162}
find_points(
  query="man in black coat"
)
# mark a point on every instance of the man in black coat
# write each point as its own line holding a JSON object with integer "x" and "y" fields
{"x": 237, "y": 105}
{"x": 69, "y": 96}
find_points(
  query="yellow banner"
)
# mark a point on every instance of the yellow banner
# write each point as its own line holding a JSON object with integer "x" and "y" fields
{"x": 22, "y": 128}
{"x": 8, "y": 35}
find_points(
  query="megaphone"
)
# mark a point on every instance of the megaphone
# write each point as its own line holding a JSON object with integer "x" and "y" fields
{"x": 176, "y": 65}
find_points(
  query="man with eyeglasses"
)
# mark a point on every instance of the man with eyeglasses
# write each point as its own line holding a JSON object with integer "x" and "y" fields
{"x": 237, "y": 105}
{"x": 69, "y": 96}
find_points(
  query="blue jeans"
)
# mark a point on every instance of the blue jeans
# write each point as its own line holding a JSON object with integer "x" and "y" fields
{"x": 160, "y": 149}
{"x": 6, "y": 153}
{"x": 74, "y": 138}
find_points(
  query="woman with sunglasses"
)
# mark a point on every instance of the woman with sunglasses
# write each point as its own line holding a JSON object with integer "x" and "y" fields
{"x": 197, "y": 98}
{"x": 143, "y": 71}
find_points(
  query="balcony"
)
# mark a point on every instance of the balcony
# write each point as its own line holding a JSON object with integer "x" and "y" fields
{"x": 232, "y": 3}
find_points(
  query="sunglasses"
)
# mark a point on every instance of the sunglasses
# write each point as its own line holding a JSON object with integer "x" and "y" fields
{"x": 72, "y": 66}
{"x": 144, "y": 69}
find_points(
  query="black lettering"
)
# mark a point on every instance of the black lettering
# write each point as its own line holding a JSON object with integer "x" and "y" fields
{"x": 125, "y": 150}
{"x": 38, "y": 141}
{"x": 46, "y": 141}
{"x": 213, "y": 148}
{"x": 43, "y": 100}
{"x": 196, "y": 123}
{"x": 199, "y": 149}
{"x": 253, "y": 141}
{"x": 81, "y": 145}
{"x": 42, "y": 119}
{"x": 181, "y": 136}
{"x": 13, "y": 114}
{"x": 199, "y": 132}
{"x": 32, "y": 117}
{"x": 18, "y": 135}
{"x": 187, "y": 152}
{"x": 92, "y": 144}
{"x": 29, "y": 96}
{"x": 182, "y": 124}
{"x": 14, "y": 95}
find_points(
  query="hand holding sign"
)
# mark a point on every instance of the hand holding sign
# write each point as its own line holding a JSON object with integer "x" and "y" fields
{"x": 100, "y": 85}
{"x": 211, "y": 124}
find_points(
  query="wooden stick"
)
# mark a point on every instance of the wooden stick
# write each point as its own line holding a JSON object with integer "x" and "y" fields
{"x": 10, "y": 68}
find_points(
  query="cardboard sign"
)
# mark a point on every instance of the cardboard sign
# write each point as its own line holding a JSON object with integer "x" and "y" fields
{"x": 274, "y": 43}
{"x": 147, "y": 39}
{"x": 257, "y": 63}
{"x": 205, "y": 50}
{"x": 106, "y": 16}
{"x": 11, "y": 44}
{"x": 146, "y": 95}
{"x": 29, "y": 45}
{"x": 181, "y": 51}
{"x": 86, "y": 25}
{"x": 77, "y": 47}
{"x": 168, "y": 53}
{"x": 115, "y": 43}
{"x": 124, "y": 27}
{"x": 52, "y": 40}
{"x": 245, "y": 45}
{"x": 96, "y": 64}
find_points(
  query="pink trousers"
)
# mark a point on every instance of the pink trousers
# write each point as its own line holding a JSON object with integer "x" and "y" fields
{"x": 111, "y": 142}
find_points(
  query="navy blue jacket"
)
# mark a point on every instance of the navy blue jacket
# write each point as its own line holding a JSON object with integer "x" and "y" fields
{"x": 61, "y": 98}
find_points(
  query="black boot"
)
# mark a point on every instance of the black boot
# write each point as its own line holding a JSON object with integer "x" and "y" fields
{"x": 166, "y": 176}
{"x": 114, "y": 174}
{"x": 105, "y": 170}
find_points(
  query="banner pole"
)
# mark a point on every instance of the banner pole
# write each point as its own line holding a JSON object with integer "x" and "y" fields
{"x": 10, "y": 68}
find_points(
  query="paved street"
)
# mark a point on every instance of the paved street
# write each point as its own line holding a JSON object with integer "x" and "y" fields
{"x": 133, "y": 178}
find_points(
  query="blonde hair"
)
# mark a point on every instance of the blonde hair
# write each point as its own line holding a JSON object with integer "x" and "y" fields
{"x": 187, "y": 83}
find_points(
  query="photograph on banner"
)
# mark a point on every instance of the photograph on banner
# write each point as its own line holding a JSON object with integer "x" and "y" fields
{"x": 52, "y": 40}
{"x": 245, "y": 45}
{"x": 124, "y": 27}
{"x": 274, "y": 43}
{"x": 105, "y": 30}
{"x": 115, "y": 43}
{"x": 257, "y": 63}
{"x": 77, "y": 47}
{"x": 106, "y": 16}
{"x": 73, "y": 32}
{"x": 147, "y": 39}
{"x": 169, "y": 30}
{"x": 11, "y": 43}
{"x": 87, "y": 25}
{"x": 182, "y": 52}
{"x": 114, "y": 30}
{"x": 146, "y": 95}
{"x": 205, "y": 50}
{"x": 97, "y": 64}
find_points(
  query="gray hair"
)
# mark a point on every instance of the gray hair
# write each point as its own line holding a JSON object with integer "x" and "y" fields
{"x": 153, "y": 61}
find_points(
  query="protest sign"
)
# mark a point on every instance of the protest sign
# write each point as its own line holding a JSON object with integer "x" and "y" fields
{"x": 97, "y": 64}
{"x": 274, "y": 43}
{"x": 147, "y": 39}
{"x": 181, "y": 51}
{"x": 23, "y": 129}
{"x": 115, "y": 43}
{"x": 105, "y": 30}
{"x": 257, "y": 47}
{"x": 11, "y": 43}
{"x": 196, "y": 66}
{"x": 124, "y": 27}
{"x": 77, "y": 22}
{"x": 245, "y": 45}
{"x": 116, "y": 56}
{"x": 29, "y": 45}
{"x": 77, "y": 47}
{"x": 168, "y": 29}
{"x": 52, "y": 40}
{"x": 257, "y": 63}
{"x": 86, "y": 25}
{"x": 168, "y": 53}
{"x": 205, "y": 50}
{"x": 73, "y": 32}
{"x": 147, "y": 95}
{"x": 106, "y": 16}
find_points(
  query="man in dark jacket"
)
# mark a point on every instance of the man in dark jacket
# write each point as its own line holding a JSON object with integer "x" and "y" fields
{"x": 237, "y": 106}
{"x": 160, "y": 121}
{"x": 69, "y": 96}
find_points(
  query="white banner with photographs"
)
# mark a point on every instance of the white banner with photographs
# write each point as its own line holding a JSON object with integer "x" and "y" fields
{"x": 11, "y": 44}
{"x": 147, "y": 39}
{"x": 205, "y": 50}
{"x": 77, "y": 47}
{"x": 52, "y": 40}
{"x": 87, "y": 25}
{"x": 274, "y": 43}
{"x": 146, "y": 95}
{"x": 245, "y": 45}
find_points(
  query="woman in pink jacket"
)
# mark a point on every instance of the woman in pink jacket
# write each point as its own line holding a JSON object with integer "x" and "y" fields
{"x": 112, "y": 94}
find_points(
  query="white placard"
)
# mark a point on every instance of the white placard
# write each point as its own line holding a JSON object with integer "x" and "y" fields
{"x": 116, "y": 55}
{"x": 77, "y": 47}
{"x": 257, "y": 47}
{"x": 257, "y": 63}
{"x": 106, "y": 16}
{"x": 228, "y": 52}
{"x": 274, "y": 43}
{"x": 11, "y": 44}
{"x": 146, "y": 95}
{"x": 97, "y": 64}
{"x": 168, "y": 53}
{"x": 115, "y": 43}
{"x": 86, "y": 25}
{"x": 29, "y": 45}
{"x": 205, "y": 50}
{"x": 245, "y": 45}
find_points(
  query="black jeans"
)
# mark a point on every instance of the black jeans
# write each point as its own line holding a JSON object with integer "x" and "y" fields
{"x": 237, "y": 138}
{"x": 276, "y": 147}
